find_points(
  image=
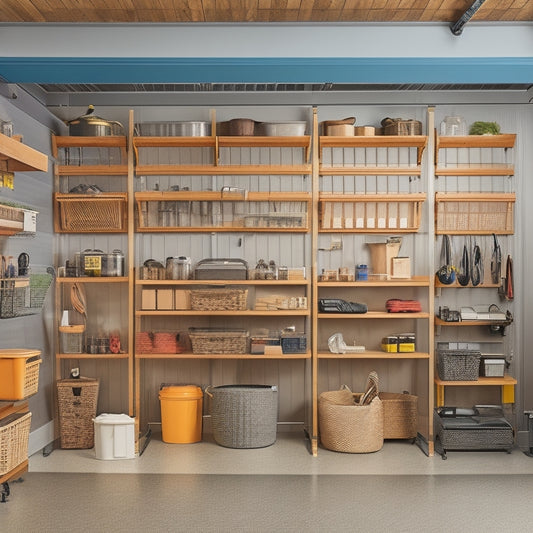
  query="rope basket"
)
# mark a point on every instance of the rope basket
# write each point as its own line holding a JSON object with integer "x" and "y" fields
{"x": 14, "y": 435}
{"x": 400, "y": 415}
{"x": 244, "y": 416}
{"x": 219, "y": 299}
{"x": 349, "y": 422}
{"x": 77, "y": 400}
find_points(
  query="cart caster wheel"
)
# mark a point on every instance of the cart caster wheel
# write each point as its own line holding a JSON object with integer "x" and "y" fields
{"x": 4, "y": 492}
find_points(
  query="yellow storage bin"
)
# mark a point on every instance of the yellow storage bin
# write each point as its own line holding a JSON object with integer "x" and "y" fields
{"x": 19, "y": 373}
{"x": 181, "y": 413}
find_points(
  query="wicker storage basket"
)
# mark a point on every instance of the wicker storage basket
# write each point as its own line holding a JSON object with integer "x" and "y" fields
{"x": 401, "y": 127}
{"x": 349, "y": 422}
{"x": 86, "y": 213}
{"x": 458, "y": 365}
{"x": 14, "y": 435}
{"x": 219, "y": 299}
{"x": 400, "y": 415}
{"x": 244, "y": 416}
{"x": 77, "y": 401}
{"x": 220, "y": 341}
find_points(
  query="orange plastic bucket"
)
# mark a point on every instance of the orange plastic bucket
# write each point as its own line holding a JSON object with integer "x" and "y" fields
{"x": 181, "y": 413}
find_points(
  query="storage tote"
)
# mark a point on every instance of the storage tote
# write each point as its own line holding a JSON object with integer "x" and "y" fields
{"x": 77, "y": 401}
{"x": 114, "y": 436}
{"x": 244, "y": 416}
{"x": 14, "y": 435}
{"x": 400, "y": 415}
{"x": 458, "y": 365}
{"x": 19, "y": 373}
{"x": 349, "y": 422}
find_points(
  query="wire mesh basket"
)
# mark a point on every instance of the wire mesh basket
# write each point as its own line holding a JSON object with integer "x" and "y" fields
{"x": 25, "y": 296}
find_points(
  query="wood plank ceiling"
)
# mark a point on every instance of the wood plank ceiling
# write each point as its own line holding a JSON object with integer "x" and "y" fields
{"x": 248, "y": 11}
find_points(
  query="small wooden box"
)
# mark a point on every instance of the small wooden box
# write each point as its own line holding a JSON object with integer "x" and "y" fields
{"x": 148, "y": 299}
{"x": 182, "y": 299}
{"x": 165, "y": 299}
{"x": 401, "y": 268}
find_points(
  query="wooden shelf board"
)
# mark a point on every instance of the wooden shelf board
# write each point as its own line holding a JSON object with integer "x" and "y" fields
{"x": 88, "y": 279}
{"x": 19, "y": 157}
{"x": 373, "y": 141}
{"x": 108, "y": 141}
{"x": 374, "y": 315}
{"x": 456, "y": 285}
{"x": 105, "y": 356}
{"x": 481, "y": 382}
{"x": 369, "y": 230}
{"x": 505, "y": 140}
{"x": 415, "y": 281}
{"x": 475, "y": 170}
{"x": 369, "y": 171}
{"x": 373, "y": 354}
{"x": 220, "y": 229}
{"x": 248, "y": 312}
{"x": 212, "y": 170}
{"x": 217, "y": 196}
{"x": 254, "y": 282}
{"x": 221, "y": 356}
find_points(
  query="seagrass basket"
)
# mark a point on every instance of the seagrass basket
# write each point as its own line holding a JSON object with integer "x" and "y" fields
{"x": 77, "y": 401}
{"x": 351, "y": 423}
{"x": 14, "y": 435}
{"x": 219, "y": 299}
{"x": 400, "y": 415}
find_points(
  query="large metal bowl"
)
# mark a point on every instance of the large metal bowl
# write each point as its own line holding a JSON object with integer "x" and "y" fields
{"x": 282, "y": 129}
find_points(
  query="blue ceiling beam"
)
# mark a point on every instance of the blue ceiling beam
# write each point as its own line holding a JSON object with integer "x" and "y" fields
{"x": 464, "y": 70}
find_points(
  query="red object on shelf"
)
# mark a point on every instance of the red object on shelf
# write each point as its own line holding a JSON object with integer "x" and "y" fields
{"x": 403, "y": 306}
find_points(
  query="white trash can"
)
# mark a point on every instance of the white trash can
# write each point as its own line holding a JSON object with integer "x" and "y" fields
{"x": 114, "y": 436}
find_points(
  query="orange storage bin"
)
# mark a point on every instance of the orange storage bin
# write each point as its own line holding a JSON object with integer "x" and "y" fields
{"x": 181, "y": 413}
{"x": 19, "y": 373}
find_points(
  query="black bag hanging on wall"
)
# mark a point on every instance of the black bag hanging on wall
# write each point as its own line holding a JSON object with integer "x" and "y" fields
{"x": 446, "y": 273}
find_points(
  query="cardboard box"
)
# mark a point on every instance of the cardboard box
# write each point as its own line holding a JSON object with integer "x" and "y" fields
{"x": 148, "y": 299}
{"x": 165, "y": 299}
{"x": 182, "y": 299}
{"x": 401, "y": 268}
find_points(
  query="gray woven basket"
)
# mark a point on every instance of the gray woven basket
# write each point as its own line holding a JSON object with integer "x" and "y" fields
{"x": 458, "y": 365}
{"x": 244, "y": 416}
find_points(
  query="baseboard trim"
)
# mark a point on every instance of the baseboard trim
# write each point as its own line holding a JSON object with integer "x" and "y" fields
{"x": 40, "y": 438}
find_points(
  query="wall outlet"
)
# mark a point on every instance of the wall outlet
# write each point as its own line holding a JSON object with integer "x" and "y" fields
{"x": 336, "y": 244}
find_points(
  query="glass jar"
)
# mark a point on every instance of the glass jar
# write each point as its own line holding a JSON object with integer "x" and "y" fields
{"x": 453, "y": 125}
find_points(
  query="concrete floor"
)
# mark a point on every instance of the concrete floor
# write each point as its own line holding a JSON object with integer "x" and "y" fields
{"x": 205, "y": 487}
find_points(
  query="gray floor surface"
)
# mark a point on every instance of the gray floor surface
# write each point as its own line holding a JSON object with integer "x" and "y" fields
{"x": 282, "y": 488}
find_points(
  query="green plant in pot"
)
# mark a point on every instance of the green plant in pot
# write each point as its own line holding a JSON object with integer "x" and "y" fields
{"x": 484, "y": 128}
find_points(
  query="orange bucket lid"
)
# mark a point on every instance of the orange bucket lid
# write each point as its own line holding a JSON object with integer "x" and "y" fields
{"x": 18, "y": 353}
{"x": 181, "y": 392}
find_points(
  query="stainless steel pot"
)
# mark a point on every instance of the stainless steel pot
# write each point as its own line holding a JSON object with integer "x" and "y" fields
{"x": 90, "y": 125}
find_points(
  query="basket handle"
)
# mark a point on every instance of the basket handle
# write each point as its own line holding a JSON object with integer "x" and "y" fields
{"x": 208, "y": 392}
{"x": 372, "y": 389}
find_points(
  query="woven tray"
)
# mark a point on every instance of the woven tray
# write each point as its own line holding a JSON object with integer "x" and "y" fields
{"x": 77, "y": 401}
{"x": 14, "y": 435}
{"x": 219, "y": 299}
{"x": 219, "y": 341}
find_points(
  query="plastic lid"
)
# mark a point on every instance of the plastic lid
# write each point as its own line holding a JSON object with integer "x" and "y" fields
{"x": 110, "y": 418}
{"x": 181, "y": 392}
{"x": 18, "y": 353}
